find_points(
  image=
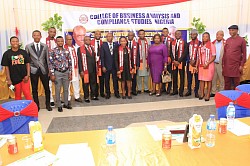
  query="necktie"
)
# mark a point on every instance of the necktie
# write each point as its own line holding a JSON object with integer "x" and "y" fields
{"x": 90, "y": 51}
{"x": 176, "y": 49}
{"x": 37, "y": 50}
{"x": 111, "y": 48}
{"x": 165, "y": 39}
{"x": 98, "y": 47}
{"x": 130, "y": 45}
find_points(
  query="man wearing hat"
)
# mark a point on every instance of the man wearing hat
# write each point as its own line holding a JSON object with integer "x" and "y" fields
{"x": 233, "y": 59}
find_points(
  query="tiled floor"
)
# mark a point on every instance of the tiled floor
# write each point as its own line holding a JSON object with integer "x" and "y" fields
{"x": 142, "y": 109}
{"x": 122, "y": 113}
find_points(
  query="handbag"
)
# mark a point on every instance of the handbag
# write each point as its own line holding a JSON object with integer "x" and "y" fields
{"x": 166, "y": 77}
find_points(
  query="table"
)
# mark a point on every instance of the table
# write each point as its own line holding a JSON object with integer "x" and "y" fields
{"x": 136, "y": 147}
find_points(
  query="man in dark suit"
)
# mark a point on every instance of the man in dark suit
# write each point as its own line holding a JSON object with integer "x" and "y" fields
{"x": 38, "y": 53}
{"x": 108, "y": 65}
{"x": 179, "y": 52}
{"x": 88, "y": 69}
{"x": 134, "y": 48}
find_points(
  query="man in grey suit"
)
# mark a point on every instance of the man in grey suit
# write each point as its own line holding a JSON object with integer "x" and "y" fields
{"x": 38, "y": 53}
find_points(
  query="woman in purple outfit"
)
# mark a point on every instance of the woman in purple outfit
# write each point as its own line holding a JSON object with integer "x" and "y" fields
{"x": 157, "y": 63}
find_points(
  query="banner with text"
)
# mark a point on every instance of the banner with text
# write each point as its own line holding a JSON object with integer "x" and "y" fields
{"x": 121, "y": 21}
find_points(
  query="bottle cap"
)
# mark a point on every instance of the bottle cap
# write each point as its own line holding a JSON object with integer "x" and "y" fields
{"x": 212, "y": 116}
{"x": 110, "y": 128}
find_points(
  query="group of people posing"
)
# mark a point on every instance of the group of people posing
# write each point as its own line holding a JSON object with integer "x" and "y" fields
{"x": 131, "y": 61}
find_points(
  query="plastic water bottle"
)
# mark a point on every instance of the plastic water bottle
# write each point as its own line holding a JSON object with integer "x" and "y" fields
{"x": 211, "y": 127}
{"x": 110, "y": 136}
{"x": 230, "y": 115}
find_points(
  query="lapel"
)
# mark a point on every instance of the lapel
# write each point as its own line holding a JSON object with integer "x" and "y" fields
{"x": 33, "y": 48}
{"x": 221, "y": 53}
{"x": 41, "y": 49}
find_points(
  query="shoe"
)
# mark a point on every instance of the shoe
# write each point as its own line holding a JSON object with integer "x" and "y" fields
{"x": 134, "y": 93}
{"x": 67, "y": 106}
{"x": 201, "y": 97}
{"x": 78, "y": 100}
{"x": 207, "y": 99}
{"x": 60, "y": 109}
{"x": 138, "y": 92}
{"x": 152, "y": 93}
{"x": 188, "y": 93}
{"x": 181, "y": 94}
{"x": 167, "y": 92}
{"x": 196, "y": 95}
{"x": 49, "y": 108}
{"x": 94, "y": 98}
{"x": 107, "y": 97}
{"x": 129, "y": 97}
{"x": 52, "y": 104}
{"x": 87, "y": 100}
{"x": 123, "y": 97}
{"x": 62, "y": 102}
{"x": 146, "y": 91}
{"x": 212, "y": 95}
{"x": 158, "y": 94}
{"x": 117, "y": 96}
{"x": 174, "y": 93}
{"x": 102, "y": 95}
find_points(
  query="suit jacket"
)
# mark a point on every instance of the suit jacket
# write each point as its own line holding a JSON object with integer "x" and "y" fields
{"x": 183, "y": 56}
{"x": 221, "y": 50}
{"x": 188, "y": 55}
{"x": 108, "y": 60}
{"x": 91, "y": 62}
{"x": 138, "y": 55}
{"x": 38, "y": 60}
{"x": 116, "y": 55}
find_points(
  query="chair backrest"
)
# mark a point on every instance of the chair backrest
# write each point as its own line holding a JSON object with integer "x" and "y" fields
{"x": 234, "y": 96}
{"x": 17, "y": 124}
{"x": 244, "y": 88}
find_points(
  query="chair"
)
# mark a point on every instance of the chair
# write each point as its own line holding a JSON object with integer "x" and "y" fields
{"x": 243, "y": 88}
{"x": 16, "y": 115}
{"x": 240, "y": 99}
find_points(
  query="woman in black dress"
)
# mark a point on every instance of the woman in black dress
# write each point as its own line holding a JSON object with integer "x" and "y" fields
{"x": 124, "y": 66}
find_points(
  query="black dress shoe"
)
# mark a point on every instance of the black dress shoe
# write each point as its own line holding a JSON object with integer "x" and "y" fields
{"x": 102, "y": 95}
{"x": 52, "y": 104}
{"x": 107, "y": 97}
{"x": 49, "y": 108}
{"x": 181, "y": 94}
{"x": 188, "y": 94}
{"x": 134, "y": 93}
{"x": 138, "y": 92}
{"x": 78, "y": 100}
{"x": 167, "y": 92}
{"x": 117, "y": 96}
{"x": 206, "y": 99}
{"x": 60, "y": 109}
{"x": 94, "y": 98}
{"x": 67, "y": 106}
{"x": 129, "y": 97}
{"x": 146, "y": 91}
{"x": 212, "y": 95}
{"x": 62, "y": 102}
{"x": 123, "y": 97}
{"x": 87, "y": 100}
{"x": 196, "y": 95}
{"x": 174, "y": 93}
